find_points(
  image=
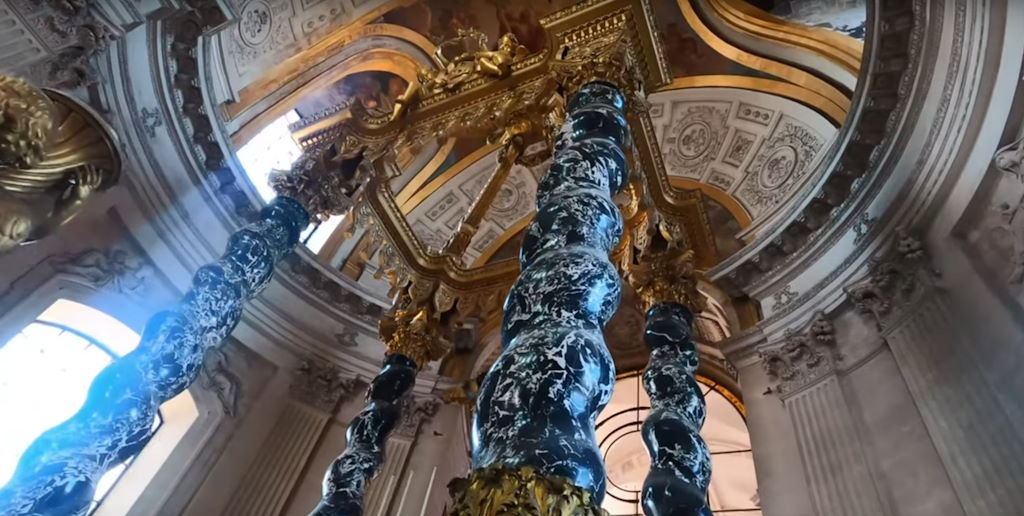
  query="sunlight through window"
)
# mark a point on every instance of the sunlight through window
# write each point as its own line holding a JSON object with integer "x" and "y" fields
{"x": 272, "y": 149}
{"x": 45, "y": 373}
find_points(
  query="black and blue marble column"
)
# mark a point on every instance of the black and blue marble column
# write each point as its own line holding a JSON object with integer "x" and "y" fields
{"x": 413, "y": 339}
{"x": 57, "y": 475}
{"x": 345, "y": 484}
{"x": 538, "y": 404}
{"x": 677, "y": 483}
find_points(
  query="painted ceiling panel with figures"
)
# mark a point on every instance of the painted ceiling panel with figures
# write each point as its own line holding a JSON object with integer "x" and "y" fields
{"x": 845, "y": 16}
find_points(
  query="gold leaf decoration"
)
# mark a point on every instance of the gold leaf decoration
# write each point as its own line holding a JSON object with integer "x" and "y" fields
{"x": 506, "y": 491}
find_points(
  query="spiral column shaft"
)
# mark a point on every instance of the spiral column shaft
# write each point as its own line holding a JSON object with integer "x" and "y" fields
{"x": 345, "y": 483}
{"x": 677, "y": 483}
{"x": 537, "y": 406}
{"x": 59, "y": 471}
{"x": 414, "y": 338}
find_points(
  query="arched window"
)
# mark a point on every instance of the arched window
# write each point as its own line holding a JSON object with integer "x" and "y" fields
{"x": 45, "y": 373}
{"x": 733, "y": 490}
{"x": 274, "y": 149}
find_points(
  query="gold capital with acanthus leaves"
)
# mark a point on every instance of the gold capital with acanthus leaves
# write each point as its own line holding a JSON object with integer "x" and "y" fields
{"x": 501, "y": 490}
{"x": 414, "y": 333}
{"x": 666, "y": 276}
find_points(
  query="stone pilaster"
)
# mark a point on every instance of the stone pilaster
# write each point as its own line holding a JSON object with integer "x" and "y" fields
{"x": 804, "y": 366}
{"x": 313, "y": 396}
{"x": 415, "y": 412}
{"x": 536, "y": 408}
{"x": 973, "y": 435}
{"x": 58, "y": 472}
{"x": 413, "y": 338}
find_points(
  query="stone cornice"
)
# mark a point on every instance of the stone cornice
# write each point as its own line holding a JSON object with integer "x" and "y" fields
{"x": 918, "y": 172}
{"x": 882, "y": 104}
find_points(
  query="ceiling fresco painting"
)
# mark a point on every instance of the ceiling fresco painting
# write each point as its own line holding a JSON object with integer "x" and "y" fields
{"x": 848, "y": 17}
{"x": 686, "y": 52}
{"x": 376, "y": 90}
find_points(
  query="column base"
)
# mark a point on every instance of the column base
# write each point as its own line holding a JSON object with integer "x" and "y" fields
{"x": 501, "y": 490}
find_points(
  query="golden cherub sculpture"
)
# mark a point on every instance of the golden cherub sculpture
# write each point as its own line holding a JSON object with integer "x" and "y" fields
{"x": 473, "y": 60}
{"x": 54, "y": 154}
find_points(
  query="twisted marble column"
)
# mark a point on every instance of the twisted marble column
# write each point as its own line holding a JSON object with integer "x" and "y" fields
{"x": 677, "y": 483}
{"x": 413, "y": 339}
{"x": 534, "y": 427}
{"x": 58, "y": 472}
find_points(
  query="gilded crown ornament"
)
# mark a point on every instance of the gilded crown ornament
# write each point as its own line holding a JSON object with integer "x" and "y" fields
{"x": 55, "y": 153}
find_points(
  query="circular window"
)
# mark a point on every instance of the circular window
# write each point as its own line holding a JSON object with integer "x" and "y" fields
{"x": 733, "y": 489}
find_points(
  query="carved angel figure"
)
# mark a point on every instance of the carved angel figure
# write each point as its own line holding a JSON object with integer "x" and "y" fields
{"x": 462, "y": 59}
{"x": 55, "y": 153}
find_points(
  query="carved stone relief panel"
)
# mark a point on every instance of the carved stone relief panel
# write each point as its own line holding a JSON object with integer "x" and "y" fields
{"x": 415, "y": 411}
{"x": 780, "y": 165}
{"x": 801, "y": 357}
{"x": 756, "y": 147}
{"x": 51, "y": 43}
{"x": 270, "y": 31}
{"x": 895, "y": 282}
{"x": 996, "y": 235}
{"x": 694, "y": 136}
{"x": 320, "y": 384}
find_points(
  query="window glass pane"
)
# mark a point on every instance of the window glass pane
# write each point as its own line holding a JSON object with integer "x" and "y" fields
{"x": 272, "y": 149}
{"x": 733, "y": 483}
{"x": 45, "y": 373}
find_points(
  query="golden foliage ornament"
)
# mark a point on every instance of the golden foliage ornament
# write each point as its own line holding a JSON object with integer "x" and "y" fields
{"x": 506, "y": 491}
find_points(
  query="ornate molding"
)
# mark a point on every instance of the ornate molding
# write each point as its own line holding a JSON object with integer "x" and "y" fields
{"x": 1010, "y": 159}
{"x": 783, "y": 297}
{"x": 63, "y": 35}
{"x": 415, "y": 411}
{"x": 802, "y": 357}
{"x": 855, "y": 171}
{"x": 186, "y": 83}
{"x": 894, "y": 282}
{"x": 320, "y": 384}
{"x": 329, "y": 290}
{"x": 121, "y": 270}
